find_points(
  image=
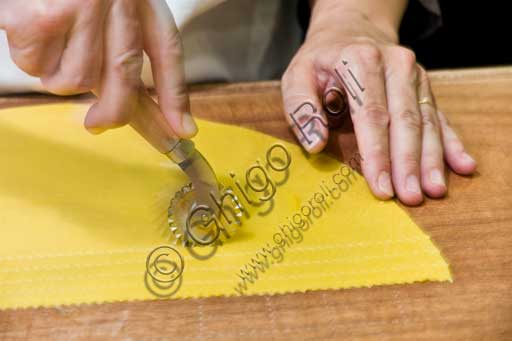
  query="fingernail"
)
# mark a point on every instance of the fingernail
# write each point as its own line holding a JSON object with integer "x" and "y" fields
{"x": 468, "y": 158}
{"x": 384, "y": 182}
{"x": 437, "y": 178}
{"x": 412, "y": 185}
{"x": 188, "y": 124}
{"x": 96, "y": 131}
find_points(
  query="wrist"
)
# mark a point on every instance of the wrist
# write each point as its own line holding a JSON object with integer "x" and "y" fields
{"x": 347, "y": 14}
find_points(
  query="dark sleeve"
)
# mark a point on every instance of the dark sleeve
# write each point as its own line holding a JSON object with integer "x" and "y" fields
{"x": 421, "y": 19}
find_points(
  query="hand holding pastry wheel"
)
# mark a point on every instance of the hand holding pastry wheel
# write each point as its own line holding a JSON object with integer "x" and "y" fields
{"x": 204, "y": 186}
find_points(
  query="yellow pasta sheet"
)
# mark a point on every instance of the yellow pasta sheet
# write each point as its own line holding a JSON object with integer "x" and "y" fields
{"x": 79, "y": 215}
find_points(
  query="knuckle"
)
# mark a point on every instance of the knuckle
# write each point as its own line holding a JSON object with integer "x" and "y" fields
{"x": 409, "y": 160}
{"x": 128, "y": 66}
{"x": 179, "y": 93}
{"x": 429, "y": 122}
{"x": 174, "y": 40}
{"x": 47, "y": 19}
{"x": 178, "y": 99}
{"x": 366, "y": 53}
{"x": 375, "y": 115}
{"x": 410, "y": 119}
{"x": 405, "y": 56}
{"x": 405, "y": 60}
{"x": 172, "y": 47}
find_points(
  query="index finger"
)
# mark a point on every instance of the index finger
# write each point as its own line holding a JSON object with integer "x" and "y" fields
{"x": 162, "y": 43}
{"x": 118, "y": 92}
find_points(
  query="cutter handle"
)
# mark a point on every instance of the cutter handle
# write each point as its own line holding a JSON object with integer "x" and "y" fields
{"x": 151, "y": 124}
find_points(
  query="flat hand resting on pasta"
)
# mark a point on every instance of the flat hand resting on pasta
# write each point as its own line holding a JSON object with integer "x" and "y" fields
{"x": 401, "y": 135}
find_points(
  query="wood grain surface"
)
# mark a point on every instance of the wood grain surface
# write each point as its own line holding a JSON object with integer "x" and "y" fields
{"x": 472, "y": 226}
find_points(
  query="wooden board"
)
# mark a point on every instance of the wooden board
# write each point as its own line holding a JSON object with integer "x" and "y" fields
{"x": 472, "y": 226}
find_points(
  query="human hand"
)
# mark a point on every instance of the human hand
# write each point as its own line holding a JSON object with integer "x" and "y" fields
{"x": 77, "y": 46}
{"x": 402, "y": 142}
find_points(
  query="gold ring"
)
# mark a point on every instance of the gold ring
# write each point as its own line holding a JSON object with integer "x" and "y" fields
{"x": 425, "y": 100}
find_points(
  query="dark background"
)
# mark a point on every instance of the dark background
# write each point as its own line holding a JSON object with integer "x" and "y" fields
{"x": 471, "y": 34}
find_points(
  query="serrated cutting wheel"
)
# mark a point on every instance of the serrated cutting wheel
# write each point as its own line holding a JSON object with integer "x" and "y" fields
{"x": 199, "y": 224}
